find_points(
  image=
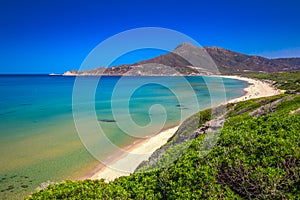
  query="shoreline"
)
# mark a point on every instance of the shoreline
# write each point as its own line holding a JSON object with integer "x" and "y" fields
{"x": 142, "y": 149}
{"x": 124, "y": 163}
{"x": 256, "y": 89}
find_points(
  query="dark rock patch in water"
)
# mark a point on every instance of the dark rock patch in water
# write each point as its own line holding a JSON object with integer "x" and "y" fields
{"x": 181, "y": 107}
{"x": 25, "y": 104}
{"x": 106, "y": 120}
{"x": 8, "y": 112}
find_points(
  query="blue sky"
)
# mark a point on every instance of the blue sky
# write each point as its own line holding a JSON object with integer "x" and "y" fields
{"x": 41, "y": 36}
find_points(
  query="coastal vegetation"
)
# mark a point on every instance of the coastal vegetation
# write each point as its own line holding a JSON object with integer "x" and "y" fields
{"x": 256, "y": 156}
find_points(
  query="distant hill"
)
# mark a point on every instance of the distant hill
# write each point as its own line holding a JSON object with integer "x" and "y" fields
{"x": 230, "y": 62}
{"x": 187, "y": 59}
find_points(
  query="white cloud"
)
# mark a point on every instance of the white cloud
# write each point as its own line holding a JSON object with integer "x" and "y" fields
{"x": 282, "y": 53}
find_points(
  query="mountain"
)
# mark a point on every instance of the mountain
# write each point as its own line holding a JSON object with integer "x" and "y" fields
{"x": 230, "y": 62}
{"x": 187, "y": 59}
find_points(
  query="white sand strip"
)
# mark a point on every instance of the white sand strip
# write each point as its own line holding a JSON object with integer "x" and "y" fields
{"x": 135, "y": 155}
{"x": 256, "y": 89}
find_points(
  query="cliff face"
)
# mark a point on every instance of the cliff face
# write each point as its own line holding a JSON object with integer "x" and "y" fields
{"x": 189, "y": 60}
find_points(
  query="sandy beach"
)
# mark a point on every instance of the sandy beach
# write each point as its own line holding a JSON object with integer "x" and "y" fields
{"x": 256, "y": 89}
{"x": 143, "y": 149}
{"x": 126, "y": 163}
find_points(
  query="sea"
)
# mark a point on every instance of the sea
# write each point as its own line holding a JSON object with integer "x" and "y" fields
{"x": 46, "y": 121}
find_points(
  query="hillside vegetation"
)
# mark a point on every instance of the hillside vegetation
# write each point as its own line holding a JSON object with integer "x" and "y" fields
{"x": 256, "y": 156}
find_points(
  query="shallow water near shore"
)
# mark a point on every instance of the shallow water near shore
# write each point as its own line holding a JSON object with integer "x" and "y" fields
{"x": 38, "y": 138}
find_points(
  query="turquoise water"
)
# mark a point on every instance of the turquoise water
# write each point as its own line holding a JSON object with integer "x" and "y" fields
{"x": 38, "y": 137}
